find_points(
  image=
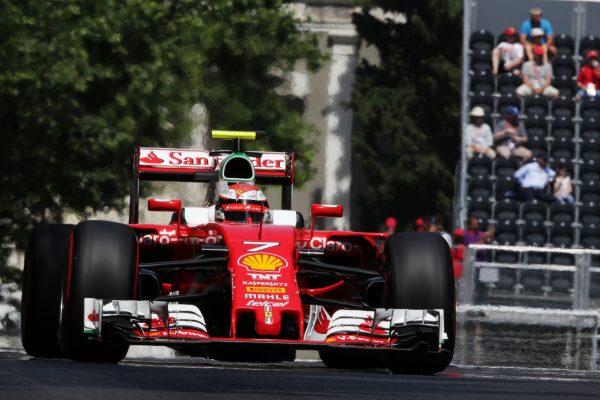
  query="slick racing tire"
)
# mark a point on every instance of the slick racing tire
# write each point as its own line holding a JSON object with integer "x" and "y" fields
{"x": 419, "y": 276}
{"x": 45, "y": 259}
{"x": 103, "y": 265}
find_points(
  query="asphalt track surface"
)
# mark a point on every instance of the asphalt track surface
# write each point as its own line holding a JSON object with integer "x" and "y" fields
{"x": 22, "y": 377}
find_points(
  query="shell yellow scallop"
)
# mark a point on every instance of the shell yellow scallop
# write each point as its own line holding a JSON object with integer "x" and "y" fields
{"x": 262, "y": 262}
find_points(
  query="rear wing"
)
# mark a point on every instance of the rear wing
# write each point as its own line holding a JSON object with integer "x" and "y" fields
{"x": 188, "y": 165}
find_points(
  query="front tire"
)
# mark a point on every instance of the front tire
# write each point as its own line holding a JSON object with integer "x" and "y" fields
{"x": 420, "y": 276}
{"x": 103, "y": 265}
{"x": 45, "y": 260}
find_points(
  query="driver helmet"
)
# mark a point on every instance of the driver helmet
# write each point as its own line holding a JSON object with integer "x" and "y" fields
{"x": 240, "y": 202}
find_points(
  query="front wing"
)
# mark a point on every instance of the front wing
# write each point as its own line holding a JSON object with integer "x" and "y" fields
{"x": 167, "y": 323}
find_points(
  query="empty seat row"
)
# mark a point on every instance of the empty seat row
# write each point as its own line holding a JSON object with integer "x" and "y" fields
{"x": 536, "y": 281}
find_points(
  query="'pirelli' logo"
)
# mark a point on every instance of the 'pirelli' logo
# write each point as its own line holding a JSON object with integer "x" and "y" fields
{"x": 257, "y": 289}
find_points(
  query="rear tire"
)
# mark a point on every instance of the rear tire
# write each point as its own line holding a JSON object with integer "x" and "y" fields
{"x": 45, "y": 261}
{"x": 420, "y": 276}
{"x": 103, "y": 265}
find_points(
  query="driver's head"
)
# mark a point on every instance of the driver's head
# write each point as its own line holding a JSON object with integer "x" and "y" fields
{"x": 240, "y": 202}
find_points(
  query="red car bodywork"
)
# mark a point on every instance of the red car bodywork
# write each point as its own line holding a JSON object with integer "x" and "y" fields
{"x": 251, "y": 282}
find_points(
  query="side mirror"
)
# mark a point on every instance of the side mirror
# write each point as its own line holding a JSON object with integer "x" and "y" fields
{"x": 324, "y": 210}
{"x": 164, "y": 205}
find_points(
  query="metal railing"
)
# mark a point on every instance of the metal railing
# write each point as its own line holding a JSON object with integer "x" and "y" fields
{"x": 496, "y": 283}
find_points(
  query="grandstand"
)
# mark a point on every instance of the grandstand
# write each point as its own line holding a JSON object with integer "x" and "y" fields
{"x": 568, "y": 131}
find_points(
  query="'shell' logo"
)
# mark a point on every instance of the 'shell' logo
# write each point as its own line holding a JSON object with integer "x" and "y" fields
{"x": 262, "y": 262}
{"x": 152, "y": 159}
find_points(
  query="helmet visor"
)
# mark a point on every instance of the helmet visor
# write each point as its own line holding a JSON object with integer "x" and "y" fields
{"x": 242, "y": 216}
{"x": 241, "y": 212}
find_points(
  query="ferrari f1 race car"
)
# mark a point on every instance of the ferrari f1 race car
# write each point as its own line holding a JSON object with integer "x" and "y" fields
{"x": 237, "y": 280}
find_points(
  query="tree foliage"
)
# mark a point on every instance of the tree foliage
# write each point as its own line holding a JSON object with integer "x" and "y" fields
{"x": 406, "y": 110}
{"x": 82, "y": 82}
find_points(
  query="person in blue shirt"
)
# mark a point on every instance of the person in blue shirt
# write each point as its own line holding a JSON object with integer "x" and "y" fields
{"x": 536, "y": 21}
{"x": 533, "y": 179}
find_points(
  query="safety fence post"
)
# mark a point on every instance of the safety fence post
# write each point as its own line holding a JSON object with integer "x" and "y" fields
{"x": 466, "y": 291}
{"x": 581, "y": 287}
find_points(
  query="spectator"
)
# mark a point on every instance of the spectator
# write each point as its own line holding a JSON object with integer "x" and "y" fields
{"x": 419, "y": 225}
{"x": 473, "y": 234}
{"x": 458, "y": 236}
{"x": 458, "y": 252}
{"x": 479, "y": 135}
{"x": 508, "y": 55}
{"x": 537, "y": 40}
{"x": 510, "y": 135}
{"x": 533, "y": 178}
{"x": 562, "y": 186}
{"x": 537, "y": 76}
{"x": 588, "y": 80}
{"x": 434, "y": 224}
{"x": 489, "y": 235}
{"x": 536, "y": 21}
{"x": 390, "y": 224}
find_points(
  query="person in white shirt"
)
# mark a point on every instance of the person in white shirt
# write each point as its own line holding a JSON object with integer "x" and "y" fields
{"x": 534, "y": 177}
{"x": 508, "y": 55}
{"x": 479, "y": 135}
{"x": 562, "y": 186}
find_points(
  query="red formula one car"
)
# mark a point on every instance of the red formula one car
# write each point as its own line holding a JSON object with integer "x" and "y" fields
{"x": 237, "y": 280}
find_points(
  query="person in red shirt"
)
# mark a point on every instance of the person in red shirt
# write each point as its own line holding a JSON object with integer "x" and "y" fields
{"x": 588, "y": 80}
